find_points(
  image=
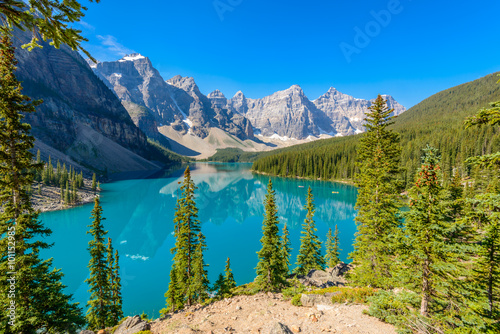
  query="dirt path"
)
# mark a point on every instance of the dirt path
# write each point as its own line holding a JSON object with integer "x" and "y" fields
{"x": 259, "y": 313}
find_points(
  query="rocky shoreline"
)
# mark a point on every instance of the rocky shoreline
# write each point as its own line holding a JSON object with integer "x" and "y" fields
{"x": 49, "y": 198}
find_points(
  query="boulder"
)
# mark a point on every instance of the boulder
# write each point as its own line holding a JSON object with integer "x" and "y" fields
{"x": 326, "y": 278}
{"x": 314, "y": 299}
{"x": 132, "y": 325}
{"x": 86, "y": 331}
{"x": 279, "y": 328}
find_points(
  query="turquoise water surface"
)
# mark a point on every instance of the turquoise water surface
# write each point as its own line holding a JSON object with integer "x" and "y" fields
{"x": 139, "y": 217}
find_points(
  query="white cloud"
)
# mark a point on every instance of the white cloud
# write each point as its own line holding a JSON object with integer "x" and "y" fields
{"x": 112, "y": 46}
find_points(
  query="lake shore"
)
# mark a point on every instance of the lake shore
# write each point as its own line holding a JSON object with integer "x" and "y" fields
{"x": 343, "y": 181}
{"x": 49, "y": 198}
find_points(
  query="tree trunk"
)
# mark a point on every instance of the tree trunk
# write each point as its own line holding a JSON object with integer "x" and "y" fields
{"x": 424, "y": 305}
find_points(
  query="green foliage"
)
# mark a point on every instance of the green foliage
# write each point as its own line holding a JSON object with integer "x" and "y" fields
{"x": 271, "y": 274}
{"x": 248, "y": 289}
{"x": 332, "y": 256}
{"x": 378, "y": 202}
{"x": 26, "y": 281}
{"x": 286, "y": 249}
{"x": 188, "y": 276}
{"x": 427, "y": 252}
{"x": 395, "y": 309}
{"x": 436, "y": 121}
{"x": 358, "y": 295}
{"x": 309, "y": 256}
{"x": 233, "y": 155}
{"x": 50, "y": 20}
{"x": 98, "y": 281}
{"x": 294, "y": 291}
{"x": 158, "y": 152}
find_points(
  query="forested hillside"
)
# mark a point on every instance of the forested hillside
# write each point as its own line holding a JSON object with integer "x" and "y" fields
{"x": 438, "y": 121}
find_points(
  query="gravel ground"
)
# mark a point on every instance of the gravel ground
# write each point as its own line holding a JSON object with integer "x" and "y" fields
{"x": 261, "y": 312}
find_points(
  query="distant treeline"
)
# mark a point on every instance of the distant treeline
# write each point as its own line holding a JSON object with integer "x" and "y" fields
{"x": 437, "y": 121}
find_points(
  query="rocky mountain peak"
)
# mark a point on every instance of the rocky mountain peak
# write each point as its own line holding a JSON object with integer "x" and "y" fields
{"x": 216, "y": 94}
{"x": 239, "y": 95}
{"x": 185, "y": 83}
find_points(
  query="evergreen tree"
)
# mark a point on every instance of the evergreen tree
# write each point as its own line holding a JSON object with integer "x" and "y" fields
{"x": 116, "y": 291}
{"x": 115, "y": 306}
{"x": 378, "y": 155}
{"x": 98, "y": 312}
{"x": 62, "y": 194}
{"x": 93, "y": 183}
{"x": 332, "y": 256}
{"x": 110, "y": 261}
{"x": 39, "y": 299}
{"x": 199, "y": 285}
{"x": 188, "y": 251}
{"x": 286, "y": 249}
{"x": 484, "y": 212}
{"x": 427, "y": 256}
{"x": 271, "y": 275}
{"x": 229, "y": 278}
{"x": 220, "y": 287}
{"x": 309, "y": 256}
{"x": 67, "y": 194}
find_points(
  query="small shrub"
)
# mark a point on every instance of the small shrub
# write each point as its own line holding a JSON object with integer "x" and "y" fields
{"x": 395, "y": 309}
{"x": 296, "y": 300}
{"x": 245, "y": 290}
{"x": 352, "y": 295}
{"x": 296, "y": 288}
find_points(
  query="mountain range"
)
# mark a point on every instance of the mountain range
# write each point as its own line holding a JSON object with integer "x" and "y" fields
{"x": 100, "y": 116}
{"x": 177, "y": 108}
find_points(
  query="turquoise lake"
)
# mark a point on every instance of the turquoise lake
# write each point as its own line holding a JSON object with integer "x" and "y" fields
{"x": 139, "y": 217}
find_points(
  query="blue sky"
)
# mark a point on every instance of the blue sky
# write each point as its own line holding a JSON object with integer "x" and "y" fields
{"x": 410, "y": 49}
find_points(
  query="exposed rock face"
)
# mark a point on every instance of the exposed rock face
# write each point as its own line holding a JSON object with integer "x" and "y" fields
{"x": 132, "y": 325}
{"x": 287, "y": 113}
{"x": 205, "y": 112}
{"x": 326, "y": 278}
{"x": 134, "y": 79}
{"x": 316, "y": 299}
{"x": 335, "y": 104}
{"x": 74, "y": 98}
{"x": 177, "y": 102}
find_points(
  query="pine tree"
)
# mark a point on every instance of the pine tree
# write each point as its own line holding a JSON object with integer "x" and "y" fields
{"x": 286, "y": 249}
{"x": 309, "y": 256}
{"x": 378, "y": 155}
{"x": 484, "y": 212}
{"x": 188, "y": 251}
{"x": 110, "y": 261}
{"x": 270, "y": 270}
{"x": 229, "y": 278}
{"x": 220, "y": 287}
{"x": 427, "y": 256}
{"x": 98, "y": 282}
{"x": 67, "y": 194}
{"x": 40, "y": 302}
{"x": 94, "y": 183}
{"x": 332, "y": 256}
{"x": 199, "y": 285}
{"x": 116, "y": 291}
{"x": 115, "y": 303}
